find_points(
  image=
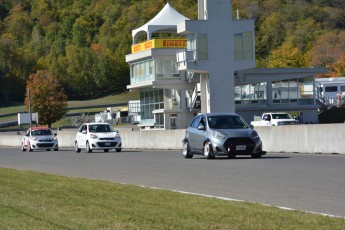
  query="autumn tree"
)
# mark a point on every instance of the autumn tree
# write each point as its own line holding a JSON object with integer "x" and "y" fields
{"x": 339, "y": 66}
{"x": 329, "y": 51}
{"x": 46, "y": 96}
{"x": 286, "y": 56}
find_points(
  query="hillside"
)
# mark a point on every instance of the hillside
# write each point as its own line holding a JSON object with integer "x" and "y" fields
{"x": 8, "y": 114}
{"x": 84, "y": 43}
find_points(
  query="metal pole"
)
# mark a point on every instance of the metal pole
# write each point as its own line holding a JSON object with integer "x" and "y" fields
{"x": 29, "y": 109}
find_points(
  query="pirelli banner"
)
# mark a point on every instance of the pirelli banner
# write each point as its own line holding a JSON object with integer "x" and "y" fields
{"x": 160, "y": 43}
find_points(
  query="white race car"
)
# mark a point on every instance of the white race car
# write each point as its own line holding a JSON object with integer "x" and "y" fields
{"x": 97, "y": 136}
{"x": 40, "y": 138}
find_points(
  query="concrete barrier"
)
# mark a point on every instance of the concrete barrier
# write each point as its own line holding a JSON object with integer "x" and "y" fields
{"x": 312, "y": 138}
{"x": 157, "y": 139}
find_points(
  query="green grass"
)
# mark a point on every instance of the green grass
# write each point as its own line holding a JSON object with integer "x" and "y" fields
{"x": 8, "y": 118}
{"x": 31, "y": 200}
{"x": 111, "y": 99}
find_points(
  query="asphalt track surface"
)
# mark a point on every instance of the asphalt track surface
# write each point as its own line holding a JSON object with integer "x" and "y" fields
{"x": 308, "y": 182}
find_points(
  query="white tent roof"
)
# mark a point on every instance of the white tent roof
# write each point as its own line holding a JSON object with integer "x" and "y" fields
{"x": 165, "y": 21}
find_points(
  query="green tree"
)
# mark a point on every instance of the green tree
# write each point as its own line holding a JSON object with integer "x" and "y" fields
{"x": 270, "y": 36}
{"x": 19, "y": 24}
{"x": 15, "y": 66}
{"x": 46, "y": 96}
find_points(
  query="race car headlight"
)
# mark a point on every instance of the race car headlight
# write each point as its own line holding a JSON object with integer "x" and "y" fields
{"x": 255, "y": 135}
{"x": 117, "y": 135}
{"x": 93, "y": 136}
{"x": 218, "y": 135}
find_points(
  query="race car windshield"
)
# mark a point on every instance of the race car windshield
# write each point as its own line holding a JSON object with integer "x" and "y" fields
{"x": 281, "y": 116}
{"x": 100, "y": 129}
{"x": 44, "y": 132}
{"x": 226, "y": 122}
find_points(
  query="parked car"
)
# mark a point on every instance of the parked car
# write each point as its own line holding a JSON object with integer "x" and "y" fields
{"x": 274, "y": 119}
{"x": 221, "y": 134}
{"x": 40, "y": 138}
{"x": 97, "y": 136}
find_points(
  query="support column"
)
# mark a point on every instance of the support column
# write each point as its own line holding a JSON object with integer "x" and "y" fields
{"x": 220, "y": 56}
{"x": 269, "y": 93}
{"x": 204, "y": 93}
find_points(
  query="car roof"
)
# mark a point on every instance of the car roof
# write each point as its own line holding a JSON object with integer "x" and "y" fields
{"x": 219, "y": 114}
{"x": 96, "y": 123}
{"x": 39, "y": 128}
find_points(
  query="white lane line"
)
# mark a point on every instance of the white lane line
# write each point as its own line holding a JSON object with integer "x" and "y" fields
{"x": 237, "y": 200}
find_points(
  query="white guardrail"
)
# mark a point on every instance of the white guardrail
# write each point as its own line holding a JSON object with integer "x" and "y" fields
{"x": 311, "y": 138}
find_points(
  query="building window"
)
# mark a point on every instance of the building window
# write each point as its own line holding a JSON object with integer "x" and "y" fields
{"x": 159, "y": 120}
{"x": 150, "y": 100}
{"x": 251, "y": 95}
{"x": 306, "y": 91}
{"x": 293, "y": 90}
{"x": 290, "y": 91}
{"x": 202, "y": 47}
{"x": 191, "y": 41}
{"x": 142, "y": 72}
{"x": 331, "y": 88}
{"x": 244, "y": 46}
{"x": 166, "y": 69}
{"x": 198, "y": 42}
{"x": 173, "y": 99}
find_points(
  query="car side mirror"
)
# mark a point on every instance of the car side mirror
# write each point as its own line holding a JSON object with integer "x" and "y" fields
{"x": 55, "y": 134}
{"x": 251, "y": 126}
{"x": 83, "y": 132}
{"x": 201, "y": 127}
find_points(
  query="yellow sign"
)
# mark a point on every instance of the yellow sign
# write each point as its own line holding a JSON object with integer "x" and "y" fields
{"x": 160, "y": 43}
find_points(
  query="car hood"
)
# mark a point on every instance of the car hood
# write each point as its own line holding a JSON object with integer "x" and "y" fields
{"x": 237, "y": 132}
{"x": 102, "y": 135}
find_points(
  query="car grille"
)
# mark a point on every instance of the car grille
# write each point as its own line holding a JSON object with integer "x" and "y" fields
{"x": 109, "y": 144}
{"x": 107, "y": 138}
{"x": 233, "y": 142}
{"x": 43, "y": 145}
{"x": 45, "y": 140}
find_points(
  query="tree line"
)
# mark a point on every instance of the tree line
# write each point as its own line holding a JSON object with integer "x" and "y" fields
{"x": 83, "y": 43}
